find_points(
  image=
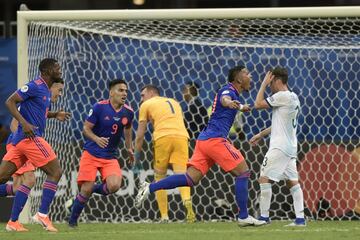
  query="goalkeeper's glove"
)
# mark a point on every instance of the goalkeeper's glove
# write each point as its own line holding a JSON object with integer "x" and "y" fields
{"x": 137, "y": 166}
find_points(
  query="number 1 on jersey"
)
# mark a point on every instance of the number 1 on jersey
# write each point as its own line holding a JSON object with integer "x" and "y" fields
{"x": 171, "y": 107}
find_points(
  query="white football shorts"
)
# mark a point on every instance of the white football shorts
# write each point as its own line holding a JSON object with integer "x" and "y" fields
{"x": 278, "y": 166}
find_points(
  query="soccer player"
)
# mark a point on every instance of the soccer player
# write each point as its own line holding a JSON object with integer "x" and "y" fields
{"x": 212, "y": 147}
{"x": 106, "y": 123}
{"x": 280, "y": 160}
{"x": 170, "y": 143}
{"x": 29, "y": 145}
{"x": 25, "y": 175}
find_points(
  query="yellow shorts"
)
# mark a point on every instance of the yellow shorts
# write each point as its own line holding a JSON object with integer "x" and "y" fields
{"x": 170, "y": 149}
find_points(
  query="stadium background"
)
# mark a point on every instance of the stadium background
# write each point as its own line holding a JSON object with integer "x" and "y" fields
{"x": 342, "y": 130}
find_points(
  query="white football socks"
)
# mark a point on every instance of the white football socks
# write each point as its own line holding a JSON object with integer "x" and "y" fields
{"x": 265, "y": 199}
{"x": 298, "y": 199}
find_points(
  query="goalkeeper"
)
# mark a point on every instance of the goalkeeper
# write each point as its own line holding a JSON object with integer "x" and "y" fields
{"x": 170, "y": 143}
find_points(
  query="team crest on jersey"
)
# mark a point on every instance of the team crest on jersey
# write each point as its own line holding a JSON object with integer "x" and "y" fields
{"x": 24, "y": 88}
{"x": 124, "y": 121}
{"x": 107, "y": 118}
{"x": 116, "y": 119}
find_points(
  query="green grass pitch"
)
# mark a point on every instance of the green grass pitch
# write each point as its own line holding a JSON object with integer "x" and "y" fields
{"x": 327, "y": 230}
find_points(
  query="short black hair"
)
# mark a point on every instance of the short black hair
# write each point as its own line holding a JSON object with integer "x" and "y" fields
{"x": 46, "y": 64}
{"x": 151, "y": 87}
{"x": 280, "y": 73}
{"x": 233, "y": 72}
{"x": 193, "y": 88}
{"x": 115, "y": 82}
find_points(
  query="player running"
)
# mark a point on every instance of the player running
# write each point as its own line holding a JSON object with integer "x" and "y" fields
{"x": 106, "y": 123}
{"x": 213, "y": 147}
{"x": 25, "y": 175}
{"x": 29, "y": 145}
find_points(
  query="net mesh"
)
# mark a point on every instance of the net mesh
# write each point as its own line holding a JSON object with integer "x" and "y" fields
{"x": 322, "y": 56}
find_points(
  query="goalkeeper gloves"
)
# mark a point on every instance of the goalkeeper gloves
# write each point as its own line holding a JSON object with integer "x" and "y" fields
{"x": 137, "y": 166}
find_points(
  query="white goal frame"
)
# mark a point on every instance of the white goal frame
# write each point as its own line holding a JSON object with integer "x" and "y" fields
{"x": 24, "y": 17}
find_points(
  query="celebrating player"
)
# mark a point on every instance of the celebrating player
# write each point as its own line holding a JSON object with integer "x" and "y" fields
{"x": 25, "y": 175}
{"x": 280, "y": 160}
{"x": 170, "y": 143}
{"x": 108, "y": 120}
{"x": 29, "y": 146}
{"x": 212, "y": 147}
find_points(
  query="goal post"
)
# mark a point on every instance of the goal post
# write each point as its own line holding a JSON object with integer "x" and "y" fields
{"x": 320, "y": 47}
{"x": 24, "y": 17}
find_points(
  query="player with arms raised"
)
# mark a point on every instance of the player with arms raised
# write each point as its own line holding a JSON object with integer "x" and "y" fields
{"x": 280, "y": 160}
{"x": 106, "y": 123}
{"x": 213, "y": 147}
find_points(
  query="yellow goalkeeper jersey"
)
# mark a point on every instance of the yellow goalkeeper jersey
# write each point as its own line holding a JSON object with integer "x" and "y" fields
{"x": 166, "y": 116}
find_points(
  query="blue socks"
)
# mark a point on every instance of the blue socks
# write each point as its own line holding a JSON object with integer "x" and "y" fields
{"x": 101, "y": 189}
{"x": 173, "y": 181}
{"x": 49, "y": 190}
{"x": 6, "y": 190}
{"x": 241, "y": 194}
{"x": 81, "y": 200}
{"x": 77, "y": 208}
{"x": 20, "y": 199}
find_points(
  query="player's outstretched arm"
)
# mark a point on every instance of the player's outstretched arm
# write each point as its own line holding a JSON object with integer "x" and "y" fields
{"x": 88, "y": 133}
{"x": 256, "y": 138}
{"x": 226, "y": 101}
{"x": 11, "y": 103}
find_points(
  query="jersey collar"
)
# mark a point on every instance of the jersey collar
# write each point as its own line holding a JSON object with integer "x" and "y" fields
{"x": 232, "y": 86}
{"x": 114, "y": 108}
{"x": 40, "y": 78}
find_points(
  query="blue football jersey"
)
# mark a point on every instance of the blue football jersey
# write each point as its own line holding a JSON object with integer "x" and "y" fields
{"x": 9, "y": 140}
{"x": 222, "y": 118}
{"x": 36, "y": 98}
{"x": 109, "y": 124}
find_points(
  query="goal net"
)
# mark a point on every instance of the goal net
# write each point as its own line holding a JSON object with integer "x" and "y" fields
{"x": 322, "y": 56}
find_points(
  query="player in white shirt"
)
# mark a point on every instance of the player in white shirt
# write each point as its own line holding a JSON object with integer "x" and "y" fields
{"x": 280, "y": 160}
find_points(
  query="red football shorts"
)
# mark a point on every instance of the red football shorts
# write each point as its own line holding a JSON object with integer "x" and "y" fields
{"x": 215, "y": 150}
{"x": 37, "y": 151}
{"x": 89, "y": 165}
{"x": 27, "y": 167}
